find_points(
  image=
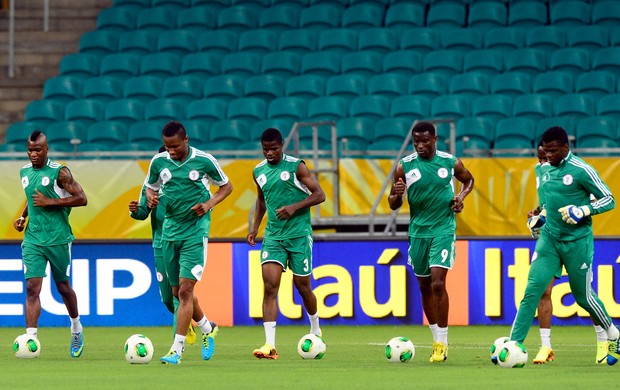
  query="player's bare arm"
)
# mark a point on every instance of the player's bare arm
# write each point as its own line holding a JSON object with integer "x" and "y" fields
{"x": 20, "y": 223}
{"x": 259, "y": 213}
{"x": 222, "y": 193}
{"x": 65, "y": 181}
{"x": 467, "y": 185}
{"x": 395, "y": 199}
{"x": 316, "y": 193}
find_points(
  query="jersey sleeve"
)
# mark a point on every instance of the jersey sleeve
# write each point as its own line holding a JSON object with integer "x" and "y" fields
{"x": 213, "y": 170}
{"x": 143, "y": 210}
{"x": 153, "y": 179}
{"x": 596, "y": 186}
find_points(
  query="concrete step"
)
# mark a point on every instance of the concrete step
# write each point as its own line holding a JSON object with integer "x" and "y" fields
{"x": 42, "y": 42}
{"x": 21, "y": 93}
{"x": 63, "y": 4}
{"x": 38, "y": 72}
{"x": 56, "y": 24}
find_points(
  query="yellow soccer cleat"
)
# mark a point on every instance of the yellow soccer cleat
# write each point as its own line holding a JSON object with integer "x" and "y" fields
{"x": 440, "y": 353}
{"x": 430, "y": 359}
{"x": 601, "y": 352}
{"x": 266, "y": 352}
{"x": 544, "y": 355}
{"x": 190, "y": 337}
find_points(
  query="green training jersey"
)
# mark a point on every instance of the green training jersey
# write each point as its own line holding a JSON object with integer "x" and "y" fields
{"x": 541, "y": 200}
{"x": 46, "y": 225}
{"x": 281, "y": 188}
{"x": 429, "y": 193}
{"x": 571, "y": 183}
{"x": 185, "y": 184}
{"x": 157, "y": 215}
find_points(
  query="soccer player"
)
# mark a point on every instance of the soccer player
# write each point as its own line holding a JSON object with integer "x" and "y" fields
{"x": 425, "y": 176}
{"x": 545, "y": 306}
{"x": 184, "y": 174}
{"x": 139, "y": 210}
{"x": 51, "y": 192}
{"x": 286, "y": 191}
{"x": 566, "y": 238}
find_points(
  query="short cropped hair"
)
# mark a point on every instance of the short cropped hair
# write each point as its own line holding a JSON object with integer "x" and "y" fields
{"x": 555, "y": 133}
{"x": 173, "y": 128}
{"x": 271, "y": 134}
{"x": 423, "y": 127}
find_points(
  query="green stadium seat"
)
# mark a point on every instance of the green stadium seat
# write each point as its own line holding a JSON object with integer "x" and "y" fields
{"x": 282, "y": 63}
{"x": 297, "y": 4}
{"x": 575, "y": 105}
{"x": 572, "y": 60}
{"x": 607, "y": 59}
{"x": 148, "y": 133}
{"x": 471, "y": 85}
{"x": 133, "y": 5}
{"x": 197, "y": 19}
{"x": 486, "y": 15}
{"x": 358, "y": 132}
{"x": 292, "y": 109}
{"x": 392, "y": 129}
{"x": 597, "y": 127}
{"x": 183, "y": 89}
{"x": 340, "y": 41}
{"x": 528, "y": 14}
{"x": 306, "y": 86}
{"x": 157, "y": 19}
{"x": 366, "y": 63}
{"x": 463, "y": 39}
{"x": 197, "y": 132}
{"x": 404, "y": 16}
{"x": 129, "y": 148}
{"x": 389, "y": 146}
{"x": 340, "y": 4}
{"x": 372, "y": 107}
{"x": 411, "y": 107}
{"x": 320, "y": 17}
{"x": 85, "y": 111}
{"x": 591, "y": 38}
{"x": 487, "y": 61}
{"x": 216, "y": 5}
{"x": 79, "y": 65}
{"x": 63, "y": 133}
{"x": 605, "y": 13}
{"x": 218, "y": 42}
{"x": 445, "y": 15}
{"x": 255, "y": 5}
{"x": 176, "y": 4}
{"x": 533, "y": 106}
{"x": 450, "y": 106}
{"x": 495, "y": 107}
{"x": 280, "y": 18}
{"x": 421, "y": 40}
{"x": 429, "y": 85}
{"x": 554, "y": 84}
{"x": 363, "y": 16}
{"x": 99, "y": 42}
{"x": 164, "y": 110}
{"x": 161, "y": 65}
{"x": 203, "y": 65}
{"x": 234, "y": 131}
{"x": 479, "y": 133}
{"x": 567, "y": 123}
{"x": 521, "y": 147}
{"x": 126, "y": 111}
{"x": 208, "y": 111}
{"x": 598, "y": 143}
{"x": 596, "y": 84}
{"x": 547, "y": 38}
{"x": 241, "y": 64}
{"x": 237, "y": 18}
{"x": 95, "y": 147}
{"x": 614, "y": 37}
{"x": 321, "y": 64}
{"x": 178, "y": 42}
{"x": 382, "y": 40}
{"x": 444, "y": 62}
{"x": 403, "y": 62}
{"x": 348, "y": 86}
{"x": 223, "y": 87}
{"x": 528, "y": 61}
{"x": 284, "y": 125}
{"x": 143, "y": 88}
{"x": 265, "y": 87}
{"x": 120, "y": 65}
{"x": 116, "y": 19}
{"x": 388, "y": 85}
{"x": 298, "y": 41}
{"x": 247, "y": 109}
{"x": 108, "y": 133}
{"x": 63, "y": 88}
{"x": 609, "y": 106}
{"x": 138, "y": 42}
{"x": 511, "y": 84}
{"x": 569, "y": 13}
{"x": 515, "y": 130}
{"x": 507, "y": 38}
{"x": 18, "y": 132}
{"x": 259, "y": 42}
{"x": 45, "y": 111}
{"x": 327, "y": 108}
{"x": 103, "y": 88}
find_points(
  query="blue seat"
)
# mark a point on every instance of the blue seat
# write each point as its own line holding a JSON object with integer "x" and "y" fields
{"x": 340, "y": 4}
{"x": 411, "y": 107}
{"x": 533, "y": 106}
{"x": 218, "y": 42}
{"x": 63, "y": 88}
{"x": 143, "y": 88}
{"x": 147, "y": 132}
{"x": 164, "y": 110}
{"x": 216, "y": 5}
{"x": 388, "y": 85}
{"x": 572, "y": 60}
{"x": 529, "y": 61}
{"x": 327, "y": 108}
{"x": 569, "y": 13}
{"x": 575, "y": 105}
{"x": 485, "y": 15}
{"x": 207, "y": 111}
{"x": 173, "y": 4}
{"x": 115, "y": 19}
{"x": 363, "y": 16}
{"x": 109, "y": 133}
{"x": 265, "y": 87}
{"x": 471, "y": 85}
{"x": 237, "y": 18}
{"x": 103, "y": 88}
{"x": 404, "y": 16}
{"x": 607, "y": 59}
{"x": 120, "y": 65}
{"x": 372, "y": 107}
{"x": 45, "y": 111}
{"x": 515, "y": 131}
{"x": 79, "y": 65}
{"x": 179, "y": 42}
{"x": 445, "y": 62}
{"x": 203, "y": 65}
{"x": 160, "y": 65}
{"x": 421, "y": 40}
{"x": 366, "y": 63}
{"x": 85, "y": 111}
{"x": 339, "y": 41}
{"x": 241, "y": 64}
{"x": 307, "y": 87}
{"x": 475, "y": 134}
{"x": 183, "y": 89}
{"x": 554, "y": 84}
{"x": 157, "y": 18}
{"x": 605, "y": 13}
{"x": 247, "y": 109}
{"x": 19, "y": 132}
{"x": 487, "y": 61}
{"x": 297, "y": 4}
{"x": 596, "y": 84}
{"x": 591, "y": 38}
{"x": 528, "y": 14}
{"x": 280, "y": 18}
{"x": 285, "y": 64}
{"x": 450, "y": 106}
{"x": 445, "y": 15}
{"x": 614, "y": 37}
{"x": 99, "y": 42}
{"x": 63, "y": 133}
{"x": 321, "y": 64}
{"x": 403, "y": 62}
{"x": 223, "y": 87}
{"x": 609, "y": 106}
{"x": 256, "y": 5}
{"x": 507, "y": 38}
{"x": 292, "y": 109}
{"x": 298, "y": 41}
{"x": 234, "y": 131}
{"x": 126, "y": 111}
{"x": 464, "y": 39}
{"x": 138, "y": 42}
{"x": 257, "y": 129}
{"x": 197, "y": 132}
{"x": 258, "y": 41}
{"x": 429, "y": 85}
{"x": 392, "y": 129}
{"x": 356, "y": 132}
{"x": 511, "y": 84}
{"x": 567, "y": 123}
{"x": 597, "y": 127}
{"x": 197, "y": 19}
{"x": 548, "y": 38}
{"x": 348, "y": 86}
{"x": 320, "y": 17}
{"x": 495, "y": 107}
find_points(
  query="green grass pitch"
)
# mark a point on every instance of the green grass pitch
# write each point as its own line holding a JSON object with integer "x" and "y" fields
{"x": 355, "y": 359}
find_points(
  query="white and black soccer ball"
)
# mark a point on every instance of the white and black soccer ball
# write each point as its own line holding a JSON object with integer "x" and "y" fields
{"x": 26, "y": 346}
{"x": 311, "y": 346}
{"x": 512, "y": 355}
{"x": 496, "y": 347}
{"x": 400, "y": 350}
{"x": 138, "y": 349}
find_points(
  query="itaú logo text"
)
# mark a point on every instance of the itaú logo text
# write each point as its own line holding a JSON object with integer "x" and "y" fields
{"x": 106, "y": 292}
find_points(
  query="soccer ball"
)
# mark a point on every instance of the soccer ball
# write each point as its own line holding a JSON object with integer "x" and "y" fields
{"x": 26, "y": 346}
{"x": 496, "y": 347}
{"x": 512, "y": 355}
{"x": 400, "y": 350}
{"x": 311, "y": 346}
{"x": 138, "y": 349}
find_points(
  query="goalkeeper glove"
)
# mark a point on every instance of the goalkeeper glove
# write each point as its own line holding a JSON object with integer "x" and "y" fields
{"x": 535, "y": 223}
{"x": 572, "y": 214}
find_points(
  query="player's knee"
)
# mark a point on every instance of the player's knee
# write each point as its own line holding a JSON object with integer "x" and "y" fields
{"x": 438, "y": 287}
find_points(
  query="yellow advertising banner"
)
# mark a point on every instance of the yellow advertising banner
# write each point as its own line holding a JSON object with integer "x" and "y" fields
{"x": 504, "y": 192}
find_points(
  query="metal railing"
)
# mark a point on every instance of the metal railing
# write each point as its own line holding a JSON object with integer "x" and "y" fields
{"x": 11, "y": 46}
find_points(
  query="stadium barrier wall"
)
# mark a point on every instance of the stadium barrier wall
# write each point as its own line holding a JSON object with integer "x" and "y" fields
{"x": 356, "y": 283}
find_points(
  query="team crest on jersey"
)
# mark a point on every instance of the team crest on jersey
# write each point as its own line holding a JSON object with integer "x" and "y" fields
{"x": 265, "y": 254}
{"x": 567, "y": 180}
{"x": 160, "y": 277}
{"x": 261, "y": 180}
{"x": 25, "y": 181}
{"x": 194, "y": 175}
{"x": 413, "y": 176}
{"x": 285, "y": 176}
{"x": 442, "y": 172}
{"x": 545, "y": 177}
{"x": 165, "y": 175}
{"x": 45, "y": 181}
